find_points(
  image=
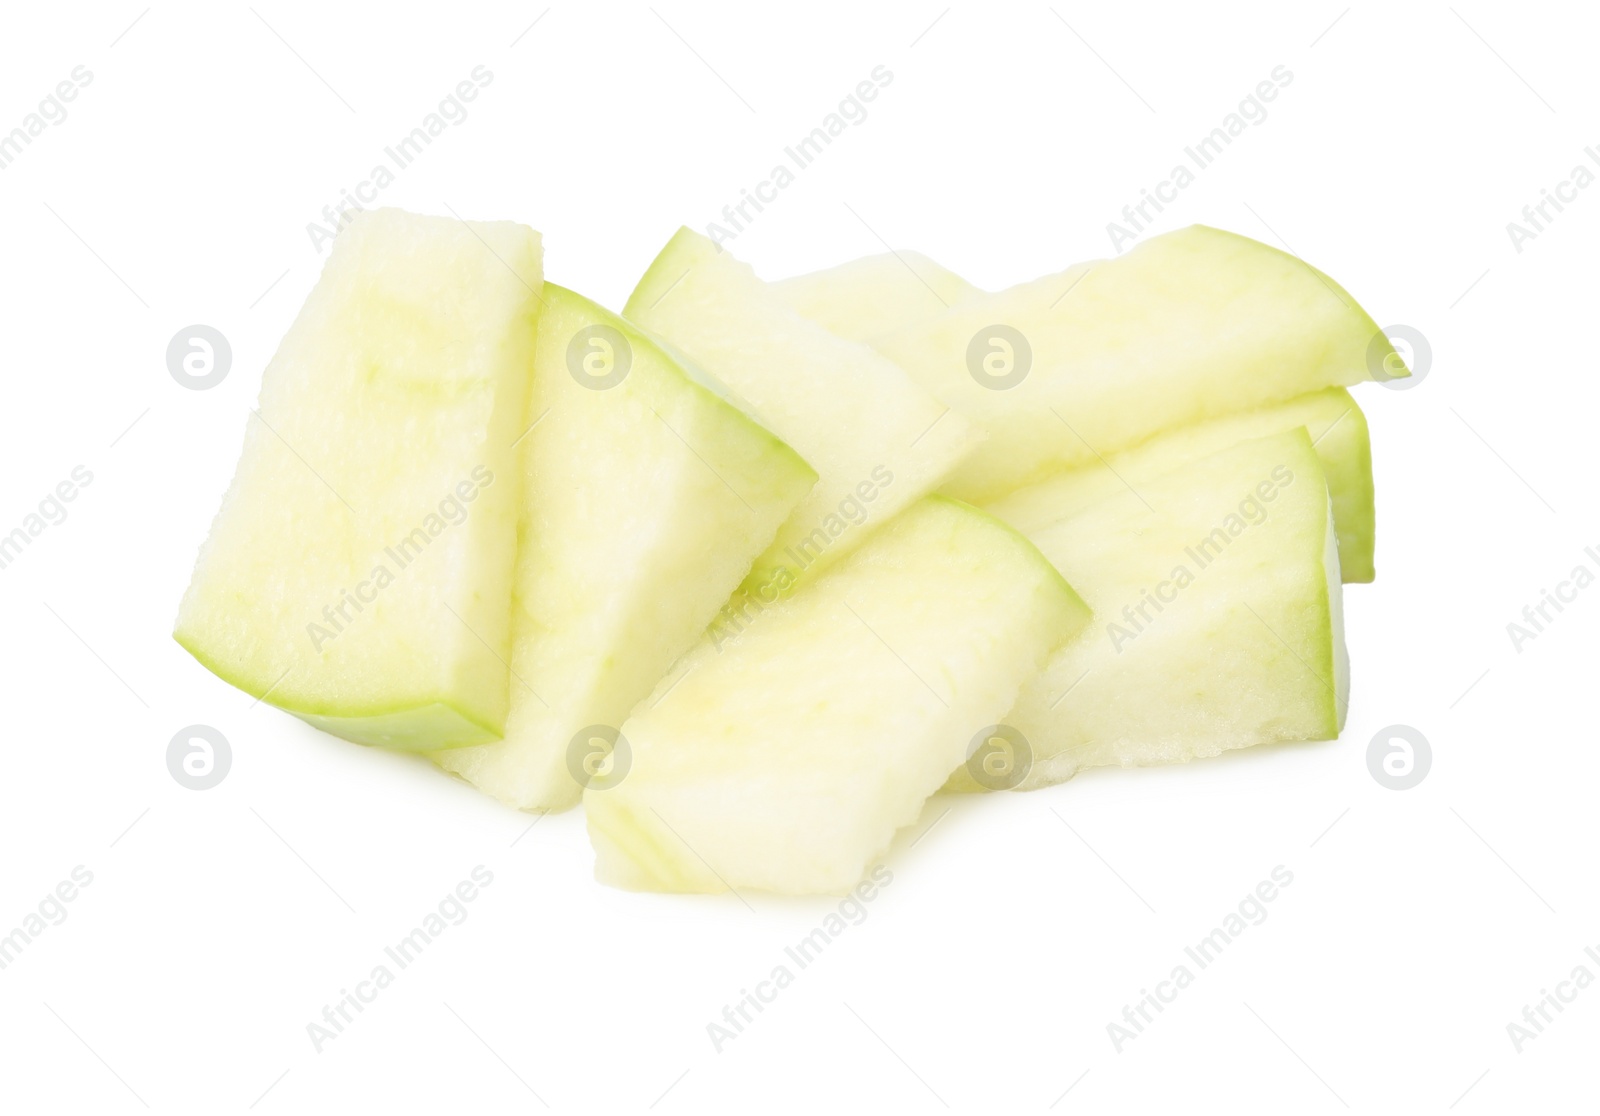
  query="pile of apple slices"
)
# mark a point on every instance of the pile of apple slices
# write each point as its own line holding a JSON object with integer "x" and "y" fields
{"x": 753, "y": 569}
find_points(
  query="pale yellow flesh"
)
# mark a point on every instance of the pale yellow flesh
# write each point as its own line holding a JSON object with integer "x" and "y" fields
{"x": 787, "y": 762}
{"x": 864, "y": 299}
{"x": 377, "y": 483}
{"x": 644, "y": 504}
{"x": 1233, "y": 630}
{"x": 1188, "y": 326}
{"x": 877, "y": 441}
{"x": 1338, "y": 432}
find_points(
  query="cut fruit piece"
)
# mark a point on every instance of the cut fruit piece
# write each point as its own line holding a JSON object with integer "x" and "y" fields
{"x": 644, "y": 503}
{"x": 786, "y": 764}
{"x": 1188, "y": 326}
{"x": 877, "y": 441}
{"x": 358, "y": 574}
{"x": 1218, "y": 618}
{"x": 864, "y": 299}
{"x": 1338, "y": 431}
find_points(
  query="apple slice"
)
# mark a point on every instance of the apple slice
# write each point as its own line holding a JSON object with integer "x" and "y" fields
{"x": 645, "y": 499}
{"x": 866, "y": 298}
{"x": 1218, "y": 619}
{"x": 358, "y": 574}
{"x": 1188, "y": 326}
{"x": 877, "y": 441}
{"x": 1338, "y": 430}
{"x": 787, "y": 762}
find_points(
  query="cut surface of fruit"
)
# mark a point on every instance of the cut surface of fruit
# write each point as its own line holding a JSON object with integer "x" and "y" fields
{"x": 359, "y": 571}
{"x": 1218, "y": 619}
{"x": 1188, "y": 326}
{"x": 786, "y": 763}
{"x": 876, "y": 440}
{"x": 645, "y": 499}
{"x": 1338, "y": 431}
{"x": 867, "y": 298}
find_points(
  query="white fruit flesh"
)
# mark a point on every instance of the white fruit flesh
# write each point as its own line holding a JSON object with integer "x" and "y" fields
{"x": 866, "y": 298}
{"x": 359, "y": 572}
{"x": 786, "y": 763}
{"x": 1338, "y": 431}
{"x": 644, "y": 504}
{"x": 1188, "y": 326}
{"x": 877, "y": 441}
{"x": 1217, "y": 618}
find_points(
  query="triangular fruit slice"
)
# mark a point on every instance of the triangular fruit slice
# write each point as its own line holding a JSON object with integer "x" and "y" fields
{"x": 358, "y": 574}
{"x": 1188, "y": 326}
{"x": 645, "y": 499}
{"x": 787, "y": 762}
{"x": 1338, "y": 431}
{"x": 866, "y": 298}
{"x": 877, "y": 441}
{"x": 1218, "y": 619}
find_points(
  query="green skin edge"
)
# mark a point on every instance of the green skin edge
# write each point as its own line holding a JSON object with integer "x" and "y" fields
{"x": 339, "y": 721}
{"x": 654, "y": 275}
{"x": 474, "y": 729}
{"x": 1325, "y": 669}
{"x": 468, "y": 730}
{"x": 637, "y": 334}
{"x": 1044, "y": 563}
{"x": 655, "y": 866}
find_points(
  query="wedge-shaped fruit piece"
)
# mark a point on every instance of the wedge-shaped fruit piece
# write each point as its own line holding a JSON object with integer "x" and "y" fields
{"x": 787, "y": 762}
{"x": 1218, "y": 618}
{"x": 866, "y": 298}
{"x": 877, "y": 441}
{"x": 1188, "y": 326}
{"x": 359, "y": 572}
{"x": 645, "y": 499}
{"x": 1338, "y": 430}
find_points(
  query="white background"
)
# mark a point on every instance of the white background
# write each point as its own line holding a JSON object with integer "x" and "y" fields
{"x": 217, "y": 927}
